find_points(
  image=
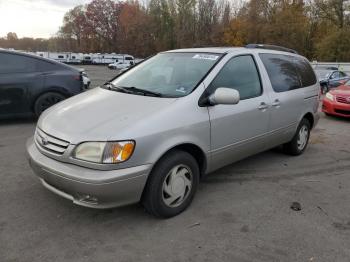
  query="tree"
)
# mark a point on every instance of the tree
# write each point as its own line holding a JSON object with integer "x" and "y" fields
{"x": 102, "y": 18}
{"x": 287, "y": 25}
{"x": 185, "y": 23}
{"x": 162, "y": 25}
{"x": 74, "y": 24}
{"x": 319, "y": 29}
{"x": 335, "y": 11}
{"x": 234, "y": 34}
{"x": 11, "y": 36}
{"x": 135, "y": 37}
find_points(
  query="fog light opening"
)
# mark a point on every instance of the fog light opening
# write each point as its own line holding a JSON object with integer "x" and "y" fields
{"x": 88, "y": 199}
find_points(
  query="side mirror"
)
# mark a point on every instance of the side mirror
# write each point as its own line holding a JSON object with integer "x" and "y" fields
{"x": 224, "y": 96}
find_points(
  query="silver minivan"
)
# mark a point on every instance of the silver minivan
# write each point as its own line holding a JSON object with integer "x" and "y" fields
{"x": 151, "y": 133}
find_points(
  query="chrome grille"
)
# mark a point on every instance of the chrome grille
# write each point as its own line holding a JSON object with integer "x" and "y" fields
{"x": 344, "y": 100}
{"x": 50, "y": 143}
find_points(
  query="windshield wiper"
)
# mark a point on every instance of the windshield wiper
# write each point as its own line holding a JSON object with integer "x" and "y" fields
{"x": 133, "y": 89}
{"x": 111, "y": 86}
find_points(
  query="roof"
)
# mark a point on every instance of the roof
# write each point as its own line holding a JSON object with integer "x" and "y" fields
{"x": 38, "y": 57}
{"x": 218, "y": 50}
{"x": 223, "y": 50}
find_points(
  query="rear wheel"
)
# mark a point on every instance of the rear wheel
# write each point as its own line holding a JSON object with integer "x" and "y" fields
{"x": 171, "y": 185}
{"x": 300, "y": 140}
{"x": 45, "y": 101}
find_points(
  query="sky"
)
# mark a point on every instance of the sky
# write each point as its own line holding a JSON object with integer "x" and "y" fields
{"x": 34, "y": 18}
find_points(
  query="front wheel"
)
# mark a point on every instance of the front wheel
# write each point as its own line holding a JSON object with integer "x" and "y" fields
{"x": 171, "y": 185}
{"x": 300, "y": 140}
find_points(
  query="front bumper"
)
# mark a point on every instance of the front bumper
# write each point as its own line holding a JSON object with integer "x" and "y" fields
{"x": 335, "y": 108}
{"x": 88, "y": 187}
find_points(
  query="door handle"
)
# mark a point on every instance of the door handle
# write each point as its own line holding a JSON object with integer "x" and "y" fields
{"x": 263, "y": 106}
{"x": 276, "y": 103}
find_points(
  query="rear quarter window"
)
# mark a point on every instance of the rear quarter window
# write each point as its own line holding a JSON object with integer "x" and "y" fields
{"x": 305, "y": 71}
{"x": 46, "y": 66}
{"x": 282, "y": 72}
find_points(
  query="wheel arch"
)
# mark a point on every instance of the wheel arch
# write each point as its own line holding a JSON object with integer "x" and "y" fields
{"x": 58, "y": 90}
{"x": 194, "y": 150}
{"x": 310, "y": 117}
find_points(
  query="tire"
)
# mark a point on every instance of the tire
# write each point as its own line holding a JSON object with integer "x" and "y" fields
{"x": 168, "y": 191}
{"x": 300, "y": 140}
{"x": 45, "y": 101}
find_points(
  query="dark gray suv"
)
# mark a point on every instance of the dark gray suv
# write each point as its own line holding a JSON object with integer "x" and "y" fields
{"x": 30, "y": 84}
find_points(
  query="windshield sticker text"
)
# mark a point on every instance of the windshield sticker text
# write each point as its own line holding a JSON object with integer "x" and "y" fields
{"x": 205, "y": 57}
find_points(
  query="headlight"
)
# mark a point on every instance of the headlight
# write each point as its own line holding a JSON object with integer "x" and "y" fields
{"x": 330, "y": 96}
{"x": 104, "y": 152}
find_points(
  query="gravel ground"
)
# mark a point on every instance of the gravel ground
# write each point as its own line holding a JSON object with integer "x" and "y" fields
{"x": 240, "y": 213}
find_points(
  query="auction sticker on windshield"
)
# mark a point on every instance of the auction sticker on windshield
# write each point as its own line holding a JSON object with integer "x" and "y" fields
{"x": 206, "y": 57}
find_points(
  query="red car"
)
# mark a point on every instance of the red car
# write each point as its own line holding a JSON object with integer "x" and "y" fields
{"x": 337, "y": 101}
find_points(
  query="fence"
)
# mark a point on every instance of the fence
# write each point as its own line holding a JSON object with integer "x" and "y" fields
{"x": 345, "y": 67}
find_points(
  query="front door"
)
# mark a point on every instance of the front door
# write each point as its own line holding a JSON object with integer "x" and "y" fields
{"x": 239, "y": 130}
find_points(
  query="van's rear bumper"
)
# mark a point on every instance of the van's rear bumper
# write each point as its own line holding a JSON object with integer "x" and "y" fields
{"x": 102, "y": 189}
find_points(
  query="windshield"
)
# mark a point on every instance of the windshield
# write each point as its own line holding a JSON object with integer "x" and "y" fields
{"x": 347, "y": 84}
{"x": 169, "y": 74}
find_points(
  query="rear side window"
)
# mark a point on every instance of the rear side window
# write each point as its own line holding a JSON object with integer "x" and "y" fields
{"x": 239, "y": 73}
{"x": 282, "y": 72}
{"x": 45, "y": 66}
{"x": 305, "y": 71}
{"x": 13, "y": 63}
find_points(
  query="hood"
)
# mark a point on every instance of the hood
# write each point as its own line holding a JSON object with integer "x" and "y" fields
{"x": 98, "y": 114}
{"x": 341, "y": 90}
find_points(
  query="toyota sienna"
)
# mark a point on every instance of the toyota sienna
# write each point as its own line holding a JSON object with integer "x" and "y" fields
{"x": 151, "y": 133}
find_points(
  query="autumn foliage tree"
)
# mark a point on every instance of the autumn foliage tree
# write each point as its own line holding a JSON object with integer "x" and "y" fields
{"x": 318, "y": 29}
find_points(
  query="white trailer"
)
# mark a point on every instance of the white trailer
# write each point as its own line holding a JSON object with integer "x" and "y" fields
{"x": 42, "y": 54}
{"x": 122, "y": 62}
{"x": 104, "y": 58}
{"x": 75, "y": 58}
{"x": 59, "y": 56}
{"x": 87, "y": 59}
